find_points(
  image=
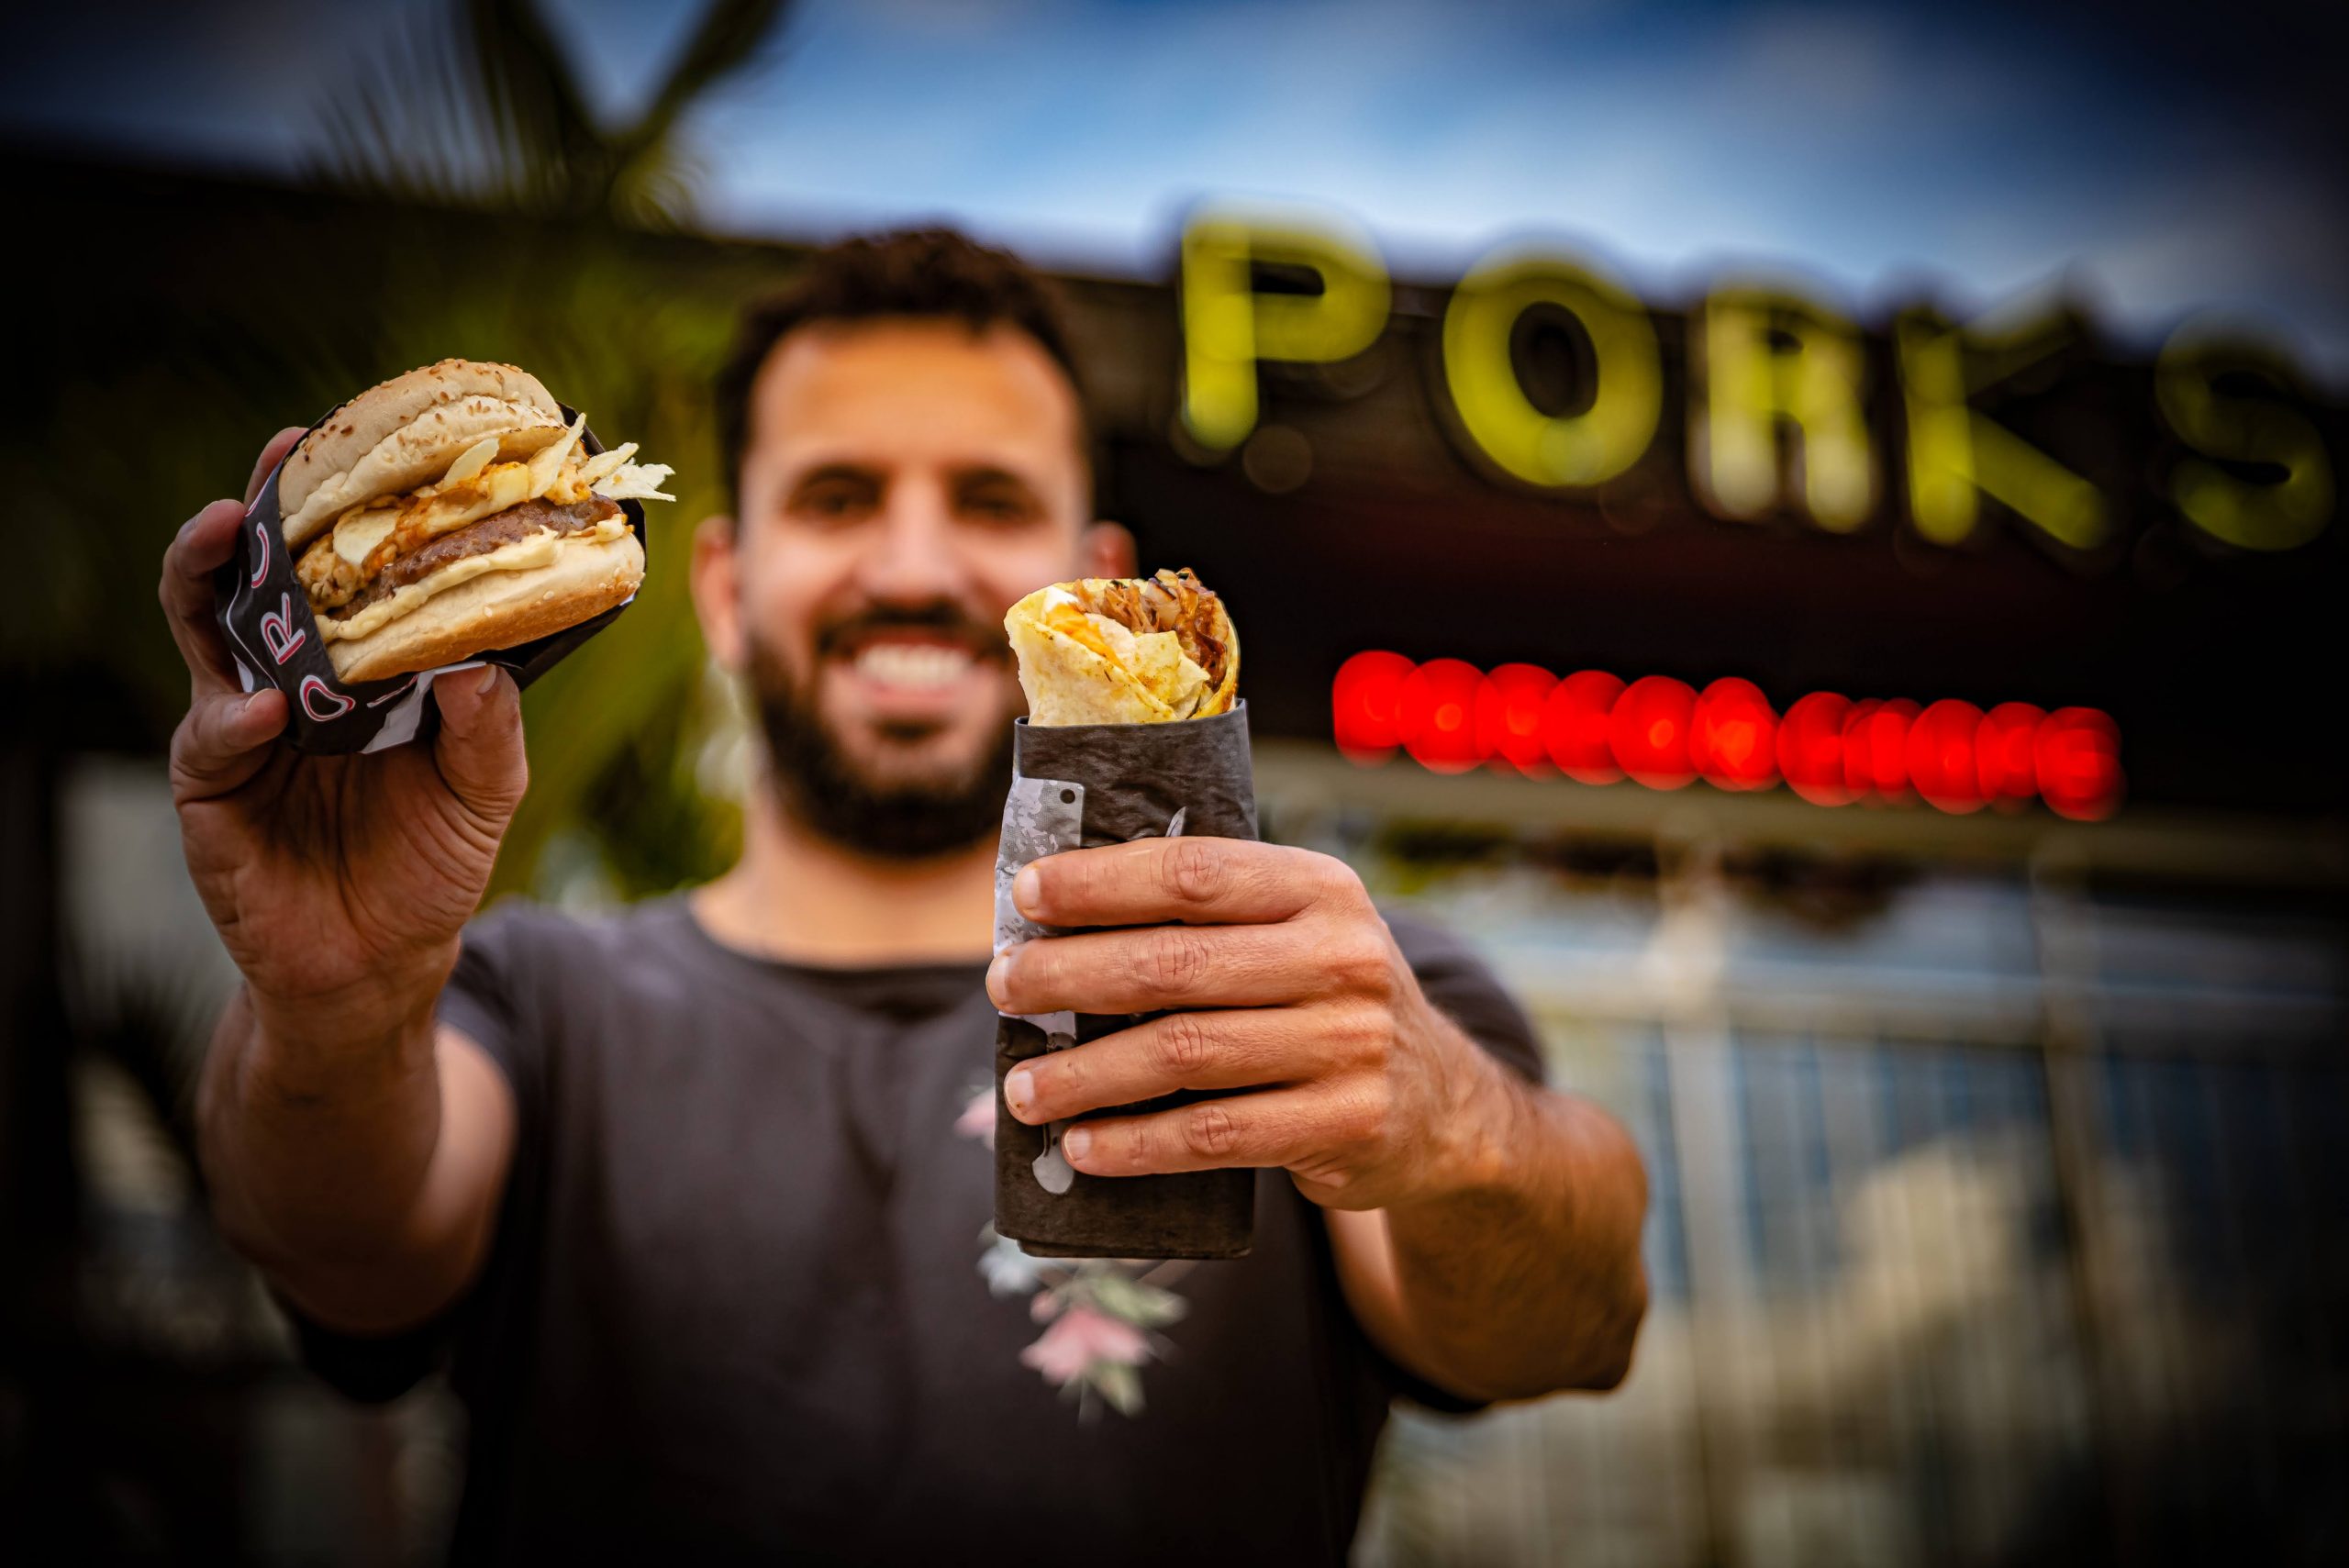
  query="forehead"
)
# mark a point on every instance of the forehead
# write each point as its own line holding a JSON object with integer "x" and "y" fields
{"x": 915, "y": 390}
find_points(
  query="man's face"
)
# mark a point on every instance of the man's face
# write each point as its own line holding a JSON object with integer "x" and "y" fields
{"x": 904, "y": 483}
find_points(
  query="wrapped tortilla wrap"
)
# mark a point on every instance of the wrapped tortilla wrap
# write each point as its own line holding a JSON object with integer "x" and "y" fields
{"x": 1124, "y": 650}
{"x": 1133, "y": 733}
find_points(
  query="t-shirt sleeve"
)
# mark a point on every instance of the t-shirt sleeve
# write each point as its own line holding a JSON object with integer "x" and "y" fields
{"x": 1465, "y": 991}
{"x": 484, "y": 1001}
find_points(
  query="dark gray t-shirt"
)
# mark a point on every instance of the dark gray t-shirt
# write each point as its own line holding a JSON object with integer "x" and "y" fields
{"x": 735, "y": 1307}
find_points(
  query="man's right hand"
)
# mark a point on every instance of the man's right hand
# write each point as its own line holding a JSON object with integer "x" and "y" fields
{"x": 338, "y": 884}
{"x": 355, "y": 1150}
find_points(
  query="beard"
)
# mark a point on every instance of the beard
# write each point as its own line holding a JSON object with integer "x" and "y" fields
{"x": 915, "y": 815}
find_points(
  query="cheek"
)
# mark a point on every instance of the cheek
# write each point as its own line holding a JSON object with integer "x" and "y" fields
{"x": 1009, "y": 570}
{"x": 784, "y": 592}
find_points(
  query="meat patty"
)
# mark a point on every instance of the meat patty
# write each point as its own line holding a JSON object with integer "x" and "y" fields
{"x": 478, "y": 539}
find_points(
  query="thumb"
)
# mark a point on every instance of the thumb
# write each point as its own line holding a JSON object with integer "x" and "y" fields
{"x": 479, "y": 749}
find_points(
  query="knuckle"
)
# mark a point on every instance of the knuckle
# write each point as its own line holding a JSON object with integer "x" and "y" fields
{"x": 1177, "y": 958}
{"x": 1361, "y": 1030}
{"x": 1185, "y": 1045}
{"x": 1192, "y": 870}
{"x": 1210, "y": 1132}
{"x": 1360, "y": 1119}
{"x": 1357, "y": 961}
{"x": 1338, "y": 882}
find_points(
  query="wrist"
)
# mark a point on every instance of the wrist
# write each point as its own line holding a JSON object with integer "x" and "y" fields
{"x": 374, "y": 1018}
{"x": 1472, "y": 1152}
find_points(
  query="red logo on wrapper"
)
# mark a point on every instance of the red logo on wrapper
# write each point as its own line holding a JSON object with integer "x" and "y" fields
{"x": 321, "y": 703}
{"x": 261, "y": 567}
{"x": 279, "y": 632}
{"x": 398, "y": 691}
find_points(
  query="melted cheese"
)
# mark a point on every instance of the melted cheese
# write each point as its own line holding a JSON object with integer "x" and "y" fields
{"x": 357, "y": 533}
{"x": 369, "y": 538}
{"x": 474, "y": 489}
{"x": 522, "y": 555}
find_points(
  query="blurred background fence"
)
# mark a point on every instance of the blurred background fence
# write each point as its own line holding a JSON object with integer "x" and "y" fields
{"x": 2001, "y": 1202}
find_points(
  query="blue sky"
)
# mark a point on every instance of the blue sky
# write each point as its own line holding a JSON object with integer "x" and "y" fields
{"x": 2150, "y": 159}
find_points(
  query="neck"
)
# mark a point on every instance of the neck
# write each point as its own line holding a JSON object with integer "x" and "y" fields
{"x": 797, "y": 896}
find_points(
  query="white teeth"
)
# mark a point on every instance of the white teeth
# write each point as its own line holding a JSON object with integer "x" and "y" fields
{"x": 915, "y": 664}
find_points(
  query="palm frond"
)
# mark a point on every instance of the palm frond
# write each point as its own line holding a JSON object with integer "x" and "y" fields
{"x": 476, "y": 103}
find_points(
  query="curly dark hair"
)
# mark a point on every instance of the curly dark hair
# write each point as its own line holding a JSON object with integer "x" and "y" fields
{"x": 931, "y": 272}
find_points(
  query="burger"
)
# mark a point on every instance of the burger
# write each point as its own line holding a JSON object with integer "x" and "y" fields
{"x": 452, "y": 510}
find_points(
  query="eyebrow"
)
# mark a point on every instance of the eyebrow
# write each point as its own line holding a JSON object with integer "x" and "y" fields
{"x": 823, "y": 472}
{"x": 993, "y": 473}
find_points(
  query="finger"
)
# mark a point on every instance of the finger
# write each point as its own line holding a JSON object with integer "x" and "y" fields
{"x": 479, "y": 750}
{"x": 1198, "y": 881}
{"x": 271, "y": 456}
{"x": 223, "y": 741}
{"x": 1240, "y": 1048}
{"x": 1271, "y": 1128}
{"x": 203, "y": 544}
{"x": 1158, "y": 967}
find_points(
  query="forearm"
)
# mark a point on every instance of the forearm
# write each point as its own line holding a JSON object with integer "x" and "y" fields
{"x": 317, "y": 1126}
{"x": 1526, "y": 1278}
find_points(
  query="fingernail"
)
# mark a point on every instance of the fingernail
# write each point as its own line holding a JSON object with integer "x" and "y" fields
{"x": 1076, "y": 1143}
{"x": 488, "y": 683}
{"x": 996, "y": 970}
{"x": 1025, "y": 888}
{"x": 1020, "y": 1090}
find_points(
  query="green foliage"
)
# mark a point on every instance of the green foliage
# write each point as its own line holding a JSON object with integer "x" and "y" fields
{"x": 474, "y": 207}
{"x": 476, "y": 103}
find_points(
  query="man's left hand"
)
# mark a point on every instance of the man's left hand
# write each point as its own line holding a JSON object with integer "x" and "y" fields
{"x": 1279, "y": 982}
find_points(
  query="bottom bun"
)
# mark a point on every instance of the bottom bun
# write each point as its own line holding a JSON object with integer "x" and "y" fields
{"x": 497, "y": 609}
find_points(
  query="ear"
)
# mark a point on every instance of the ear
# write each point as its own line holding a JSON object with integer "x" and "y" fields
{"x": 1104, "y": 550}
{"x": 717, "y": 586}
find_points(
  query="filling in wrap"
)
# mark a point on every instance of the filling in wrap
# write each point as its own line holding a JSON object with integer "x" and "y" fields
{"x": 1124, "y": 650}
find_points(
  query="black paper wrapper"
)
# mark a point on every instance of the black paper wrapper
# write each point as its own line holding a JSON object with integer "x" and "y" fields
{"x": 1080, "y": 786}
{"x": 266, "y": 617}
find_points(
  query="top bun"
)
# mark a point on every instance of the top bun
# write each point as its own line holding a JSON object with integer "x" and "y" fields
{"x": 406, "y": 432}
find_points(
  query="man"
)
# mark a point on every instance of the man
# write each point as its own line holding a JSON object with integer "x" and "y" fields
{"x": 679, "y": 1195}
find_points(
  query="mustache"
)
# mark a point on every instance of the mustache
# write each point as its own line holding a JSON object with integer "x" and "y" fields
{"x": 940, "y": 618}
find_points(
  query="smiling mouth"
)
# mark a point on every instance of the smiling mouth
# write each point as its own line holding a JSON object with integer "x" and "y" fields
{"x": 912, "y": 666}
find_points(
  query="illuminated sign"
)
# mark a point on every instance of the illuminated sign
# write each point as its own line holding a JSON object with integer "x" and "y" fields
{"x": 1788, "y": 409}
{"x": 1593, "y": 727}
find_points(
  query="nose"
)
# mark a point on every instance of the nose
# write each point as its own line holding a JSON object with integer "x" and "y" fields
{"x": 911, "y": 558}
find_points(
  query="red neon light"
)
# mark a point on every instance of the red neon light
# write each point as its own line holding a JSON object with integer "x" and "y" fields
{"x": 2077, "y": 750}
{"x": 1648, "y": 731}
{"x": 1732, "y": 740}
{"x": 1829, "y": 750}
{"x": 1436, "y": 715}
{"x": 1941, "y": 759}
{"x": 2005, "y": 765}
{"x": 1875, "y": 748}
{"x": 1811, "y": 749}
{"x": 1364, "y": 702}
{"x": 1508, "y": 716}
{"x": 1574, "y": 726}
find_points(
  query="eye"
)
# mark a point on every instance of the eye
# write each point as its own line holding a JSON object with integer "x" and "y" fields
{"x": 1004, "y": 503}
{"x": 832, "y": 499}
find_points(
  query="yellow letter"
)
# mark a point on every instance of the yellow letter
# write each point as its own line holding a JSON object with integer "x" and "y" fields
{"x": 2279, "y": 514}
{"x": 1551, "y": 449}
{"x": 1228, "y": 327}
{"x": 1956, "y": 455}
{"x": 1769, "y": 358}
